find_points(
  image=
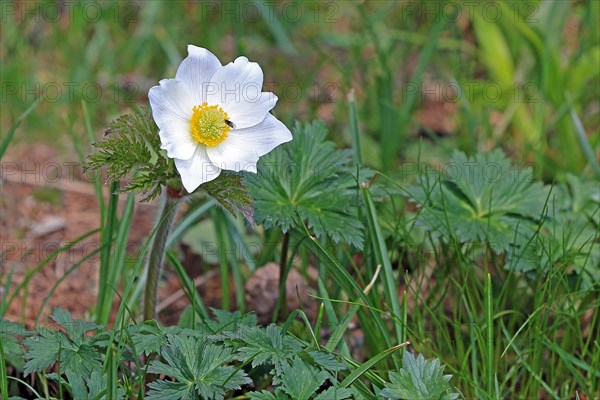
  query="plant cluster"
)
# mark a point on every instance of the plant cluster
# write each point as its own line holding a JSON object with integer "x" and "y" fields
{"x": 212, "y": 359}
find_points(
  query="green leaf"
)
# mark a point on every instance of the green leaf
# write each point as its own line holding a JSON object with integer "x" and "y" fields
{"x": 77, "y": 353}
{"x": 165, "y": 390}
{"x": 131, "y": 148}
{"x": 148, "y": 337}
{"x": 200, "y": 369}
{"x": 481, "y": 199}
{"x": 229, "y": 321}
{"x": 264, "y": 395}
{"x": 308, "y": 179}
{"x": 568, "y": 236}
{"x": 266, "y": 345}
{"x": 77, "y": 329}
{"x": 301, "y": 380}
{"x": 42, "y": 350}
{"x": 335, "y": 393}
{"x": 419, "y": 379}
{"x": 231, "y": 193}
{"x": 327, "y": 361}
{"x": 9, "y": 334}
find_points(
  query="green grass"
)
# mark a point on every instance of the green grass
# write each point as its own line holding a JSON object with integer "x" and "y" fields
{"x": 501, "y": 332}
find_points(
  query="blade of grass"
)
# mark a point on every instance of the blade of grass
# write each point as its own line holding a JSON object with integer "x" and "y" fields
{"x": 363, "y": 368}
{"x": 107, "y": 227}
{"x": 3, "y": 374}
{"x": 188, "y": 285}
{"x": 187, "y": 221}
{"x": 583, "y": 141}
{"x": 98, "y": 179}
{"x": 332, "y": 318}
{"x": 117, "y": 262}
{"x": 489, "y": 316}
{"x": 339, "y": 330}
{"x": 62, "y": 278}
{"x": 49, "y": 258}
{"x": 353, "y": 126}
{"x": 11, "y": 132}
{"x": 218, "y": 220}
{"x": 381, "y": 255}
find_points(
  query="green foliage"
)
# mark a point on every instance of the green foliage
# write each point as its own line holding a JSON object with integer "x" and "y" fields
{"x": 131, "y": 148}
{"x": 84, "y": 387}
{"x": 199, "y": 370}
{"x": 481, "y": 199}
{"x": 419, "y": 379}
{"x": 75, "y": 349}
{"x": 267, "y": 345}
{"x": 308, "y": 179}
{"x": 301, "y": 380}
{"x": 569, "y": 234}
{"x": 231, "y": 193}
{"x": 218, "y": 357}
{"x": 10, "y": 332}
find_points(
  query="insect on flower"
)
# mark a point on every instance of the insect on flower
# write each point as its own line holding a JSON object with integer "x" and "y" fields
{"x": 213, "y": 117}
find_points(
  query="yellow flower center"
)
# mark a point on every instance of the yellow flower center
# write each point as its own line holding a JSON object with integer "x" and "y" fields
{"x": 209, "y": 124}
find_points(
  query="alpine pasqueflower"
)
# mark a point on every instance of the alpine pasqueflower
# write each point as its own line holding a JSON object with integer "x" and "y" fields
{"x": 213, "y": 117}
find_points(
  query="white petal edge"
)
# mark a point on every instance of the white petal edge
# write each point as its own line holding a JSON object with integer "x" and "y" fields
{"x": 252, "y": 110}
{"x": 172, "y": 108}
{"x": 237, "y": 88}
{"x": 243, "y": 147}
{"x": 196, "y": 70}
{"x": 197, "y": 170}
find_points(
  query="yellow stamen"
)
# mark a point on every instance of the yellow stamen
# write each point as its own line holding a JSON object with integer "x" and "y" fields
{"x": 208, "y": 124}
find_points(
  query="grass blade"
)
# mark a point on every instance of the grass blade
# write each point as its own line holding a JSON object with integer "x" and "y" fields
{"x": 381, "y": 256}
{"x": 11, "y": 132}
{"x": 363, "y": 368}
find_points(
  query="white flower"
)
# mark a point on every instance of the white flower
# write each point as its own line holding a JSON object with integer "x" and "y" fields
{"x": 213, "y": 117}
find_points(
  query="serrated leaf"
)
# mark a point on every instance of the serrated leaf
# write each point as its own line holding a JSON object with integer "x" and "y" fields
{"x": 77, "y": 353}
{"x": 568, "y": 236}
{"x": 301, "y": 380}
{"x": 42, "y": 350}
{"x": 308, "y": 180}
{"x": 229, "y": 321}
{"x": 9, "y": 334}
{"x": 83, "y": 359}
{"x": 231, "y": 193}
{"x": 419, "y": 379}
{"x": 76, "y": 330}
{"x": 200, "y": 369}
{"x": 327, "y": 361}
{"x": 263, "y": 395}
{"x": 165, "y": 390}
{"x": 266, "y": 345}
{"x": 335, "y": 393}
{"x": 148, "y": 337}
{"x": 481, "y": 199}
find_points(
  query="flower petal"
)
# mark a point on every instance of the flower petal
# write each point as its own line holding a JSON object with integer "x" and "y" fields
{"x": 196, "y": 70}
{"x": 172, "y": 108}
{"x": 252, "y": 111}
{"x": 197, "y": 170}
{"x": 237, "y": 88}
{"x": 242, "y": 148}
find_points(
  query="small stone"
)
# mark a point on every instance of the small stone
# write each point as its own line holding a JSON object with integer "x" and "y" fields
{"x": 49, "y": 224}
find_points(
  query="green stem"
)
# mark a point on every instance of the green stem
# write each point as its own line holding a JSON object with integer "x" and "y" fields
{"x": 157, "y": 252}
{"x": 283, "y": 275}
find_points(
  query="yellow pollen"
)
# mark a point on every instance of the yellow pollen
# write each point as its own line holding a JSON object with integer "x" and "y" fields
{"x": 209, "y": 125}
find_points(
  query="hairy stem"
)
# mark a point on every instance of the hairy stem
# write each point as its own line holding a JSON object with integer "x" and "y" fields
{"x": 157, "y": 251}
